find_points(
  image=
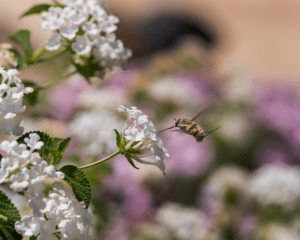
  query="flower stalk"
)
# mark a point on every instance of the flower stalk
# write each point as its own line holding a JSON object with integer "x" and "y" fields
{"x": 56, "y": 81}
{"x": 101, "y": 160}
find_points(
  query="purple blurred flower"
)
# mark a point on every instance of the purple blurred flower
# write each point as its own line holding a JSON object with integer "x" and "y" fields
{"x": 188, "y": 157}
{"x": 117, "y": 230}
{"x": 65, "y": 96}
{"x": 126, "y": 182}
{"x": 122, "y": 80}
{"x": 279, "y": 107}
{"x": 273, "y": 151}
{"x": 248, "y": 225}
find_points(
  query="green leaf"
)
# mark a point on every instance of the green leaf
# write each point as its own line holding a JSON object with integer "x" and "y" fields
{"x": 129, "y": 158}
{"x": 37, "y": 9}
{"x": 9, "y": 214}
{"x": 53, "y": 146}
{"x": 31, "y": 98}
{"x": 64, "y": 144}
{"x": 56, "y": 156}
{"x": 118, "y": 137}
{"x": 22, "y": 37}
{"x": 131, "y": 150}
{"x": 76, "y": 178}
{"x": 33, "y": 238}
{"x": 88, "y": 69}
{"x": 19, "y": 57}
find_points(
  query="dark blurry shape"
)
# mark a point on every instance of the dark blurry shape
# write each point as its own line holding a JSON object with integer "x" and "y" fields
{"x": 164, "y": 30}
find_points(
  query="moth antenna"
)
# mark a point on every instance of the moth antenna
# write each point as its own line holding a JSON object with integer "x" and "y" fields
{"x": 165, "y": 129}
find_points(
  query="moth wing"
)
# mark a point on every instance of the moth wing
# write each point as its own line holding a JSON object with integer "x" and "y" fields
{"x": 202, "y": 111}
{"x": 207, "y": 114}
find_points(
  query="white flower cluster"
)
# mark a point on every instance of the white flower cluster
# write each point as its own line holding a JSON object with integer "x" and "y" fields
{"x": 276, "y": 184}
{"x": 96, "y": 138}
{"x": 90, "y": 17}
{"x": 220, "y": 182}
{"x": 62, "y": 211}
{"x": 277, "y": 231}
{"x": 26, "y": 170}
{"x": 185, "y": 223}
{"x": 7, "y": 58}
{"x": 139, "y": 129}
{"x": 181, "y": 92}
{"x": 11, "y": 102}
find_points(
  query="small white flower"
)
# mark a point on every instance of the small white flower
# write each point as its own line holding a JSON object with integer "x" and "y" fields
{"x": 98, "y": 40}
{"x": 33, "y": 141}
{"x": 11, "y": 102}
{"x": 69, "y": 31}
{"x": 35, "y": 190}
{"x": 91, "y": 28}
{"x": 37, "y": 204}
{"x": 12, "y": 163}
{"x": 47, "y": 229}
{"x": 53, "y": 43}
{"x": 3, "y": 174}
{"x": 20, "y": 180}
{"x": 81, "y": 46}
{"x": 140, "y": 131}
{"x": 27, "y": 226}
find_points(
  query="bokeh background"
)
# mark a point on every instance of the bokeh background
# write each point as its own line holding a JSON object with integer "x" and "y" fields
{"x": 239, "y": 62}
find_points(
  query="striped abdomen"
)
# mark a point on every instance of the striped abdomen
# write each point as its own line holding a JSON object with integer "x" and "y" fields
{"x": 192, "y": 128}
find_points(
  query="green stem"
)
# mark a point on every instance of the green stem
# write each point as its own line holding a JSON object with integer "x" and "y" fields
{"x": 100, "y": 161}
{"x": 57, "y": 54}
{"x": 41, "y": 51}
{"x": 56, "y": 81}
{"x": 3, "y": 217}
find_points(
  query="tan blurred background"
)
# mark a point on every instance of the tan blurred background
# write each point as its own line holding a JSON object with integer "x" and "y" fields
{"x": 263, "y": 35}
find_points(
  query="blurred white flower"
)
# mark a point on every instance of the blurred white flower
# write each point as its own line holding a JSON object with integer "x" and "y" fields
{"x": 141, "y": 132}
{"x": 176, "y": 90}
{"x": 185, "y": 223}
{"x": 276, "y": 184}
{"x": 95, "y": 131}
{"x": 225, "y": 186}
{"x": 236, "y": 128}
{"x": 11, "y": 102}
{"x": 277, "y": 232}
{"x": 7, "y": 58}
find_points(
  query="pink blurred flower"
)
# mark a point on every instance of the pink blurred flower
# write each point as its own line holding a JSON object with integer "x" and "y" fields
{"x": 65, "y": 96}
{"x": 187, "y": 156}
{"x": 126, "y": 182}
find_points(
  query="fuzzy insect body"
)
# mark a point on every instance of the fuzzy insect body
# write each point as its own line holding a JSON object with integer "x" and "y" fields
{"x": 190, "y": 127}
